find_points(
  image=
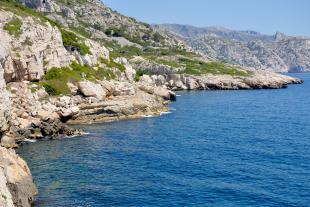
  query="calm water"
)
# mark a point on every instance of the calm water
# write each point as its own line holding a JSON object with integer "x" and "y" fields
{"x": 220, "y": 148}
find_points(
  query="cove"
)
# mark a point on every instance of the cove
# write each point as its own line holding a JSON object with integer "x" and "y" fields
{"x": 215, "y": 148}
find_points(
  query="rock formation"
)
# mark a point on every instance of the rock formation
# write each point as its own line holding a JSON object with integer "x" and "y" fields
{"x": 69, "y": 62}
{"x": 16, "y": 184}
{"x": 279, "y": 53}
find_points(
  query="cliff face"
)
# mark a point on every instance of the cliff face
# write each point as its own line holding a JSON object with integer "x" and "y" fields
{"x": 278, "y": 53}
{"x": 77, "y": 61}
{"x": 37, "y": 46}
{"x": 16, "y": 184}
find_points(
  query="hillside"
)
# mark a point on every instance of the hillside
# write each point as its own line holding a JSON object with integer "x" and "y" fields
{"x": 77, "y": 61}
{"x": 278, "y": 53}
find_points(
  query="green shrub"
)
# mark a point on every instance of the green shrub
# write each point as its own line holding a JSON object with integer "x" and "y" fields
{"x": 19, "y": 9}
{"x": 115, "y": 32}
{"x": 71, "y": 40}
{"x": 52, "y": 88}
{"x": 111, "y": 64}
{"x": 126, "y": 51}
{"x": 198, "y": 67}
{"x": 157, "y": 37}
{"x": 82, "y": 31}
{"x": 140, "y": 73}
{"x": 13, "y": 27}
{"x": 56, "y": 79}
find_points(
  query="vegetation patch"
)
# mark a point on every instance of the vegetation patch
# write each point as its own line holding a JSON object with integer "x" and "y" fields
{"x": 115, "y": 32}
{"x": 81, "y": 31}
{"x": 13, "y": 27}
{"x": 73, "y": 2}
{"x": 126, "y": 51}
{"x": 20, "y": 10}
{"x": 140, "y": 73}
{"x": 72, "y": 42}
{"x": 142, "y": 39}
{"x": 56, "y": 79}
{"x": 112, "y": 64}
{"x": 197, "y": 67}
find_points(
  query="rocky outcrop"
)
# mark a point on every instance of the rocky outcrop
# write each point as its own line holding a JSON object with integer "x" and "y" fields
{"x": 36, "y": 117}
{"x": 89, "y": 89}
{"x": 39, "y": 47}
{"x": 123, "y": 100}
{"x": 97, "y": 18}
{"x": 259, "y": 80}
{"x": 16, "y": 184}
{"x": 152, "y": 67}
{"x": 36, "y": 45}
{"x": 36, "y": 49}
{"x": 4, "y": 106}
{"x": 278, "y": 53}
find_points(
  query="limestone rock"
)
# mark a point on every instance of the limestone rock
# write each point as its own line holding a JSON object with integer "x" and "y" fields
{"x": 279, "y": 53}
{"x": 123, "y": 88}
{"x": 90, "y": 89}
{"x": 38, "y": 48}
{"x": 16, "y": 183}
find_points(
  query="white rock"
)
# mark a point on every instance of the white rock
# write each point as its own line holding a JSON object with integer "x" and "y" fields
{"x": 90, "y": 89}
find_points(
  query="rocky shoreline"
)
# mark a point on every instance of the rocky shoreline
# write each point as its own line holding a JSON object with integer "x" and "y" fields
{"x": 53, "y": 75}
{"x": 36, "y": 115}
{"x": 32, "y": 114}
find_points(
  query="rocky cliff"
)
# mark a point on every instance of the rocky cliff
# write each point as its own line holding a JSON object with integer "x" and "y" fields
{"x": 77, "y": 61}
{"x": 278, "y": 53}
{"x": 16, "y": 184}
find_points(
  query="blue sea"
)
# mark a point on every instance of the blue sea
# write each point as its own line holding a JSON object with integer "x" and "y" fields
{"x": 215, "y": 148}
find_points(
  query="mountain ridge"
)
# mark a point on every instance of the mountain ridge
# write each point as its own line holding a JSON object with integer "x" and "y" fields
{"x": 278, "y": 52}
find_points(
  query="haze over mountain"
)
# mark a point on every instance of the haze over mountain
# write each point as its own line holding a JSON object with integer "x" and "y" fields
{"x": 278, "y": 53}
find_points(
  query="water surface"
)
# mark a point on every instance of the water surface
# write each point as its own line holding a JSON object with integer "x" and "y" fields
{"x": 218, "y": 148}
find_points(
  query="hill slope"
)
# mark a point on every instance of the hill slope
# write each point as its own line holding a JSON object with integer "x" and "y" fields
{"x": 278, "y": 53}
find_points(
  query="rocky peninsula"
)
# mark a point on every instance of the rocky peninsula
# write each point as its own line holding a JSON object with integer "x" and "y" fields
{"x": 74, "y": 64}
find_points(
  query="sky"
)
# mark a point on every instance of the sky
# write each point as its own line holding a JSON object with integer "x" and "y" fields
{"x": 291, "y": 17}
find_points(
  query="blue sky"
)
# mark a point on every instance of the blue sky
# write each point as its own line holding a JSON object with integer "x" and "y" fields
{"x": 266, "y": 16}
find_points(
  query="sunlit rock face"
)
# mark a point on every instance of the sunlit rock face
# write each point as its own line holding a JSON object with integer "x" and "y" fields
{"x": 279, "y": 53}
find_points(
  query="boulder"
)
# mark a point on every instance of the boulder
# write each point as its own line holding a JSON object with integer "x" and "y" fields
{"x": 16, "y": 183}
{"x": 45, "y": 115}
{"x": 146, "y": 79}
{"x": 90, "y": 89}
{"x": 73, "y": 88}
{"x": 165, "y": 93}
{"x": 69, "y": 113}
{"x": 123, "y": 88}
{"x": 8, "y": 141}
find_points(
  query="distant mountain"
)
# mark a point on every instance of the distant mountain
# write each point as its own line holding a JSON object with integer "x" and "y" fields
{"x": 277, "y": 52}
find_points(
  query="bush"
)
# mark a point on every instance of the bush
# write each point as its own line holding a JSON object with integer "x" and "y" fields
{"x": 56, "y": 88}
{"x": 158, "y": 37}
{"x": 13, "y": 27}
{"x": 198, "y": 67}
{"x": 126, "y": 51}
{"x": 82, "y": 31}
{"x": 72, "y": 41}
{"x": 115, "y": 32}
{"x": 56, "y": 79}
{"x": 111, "y": 64}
